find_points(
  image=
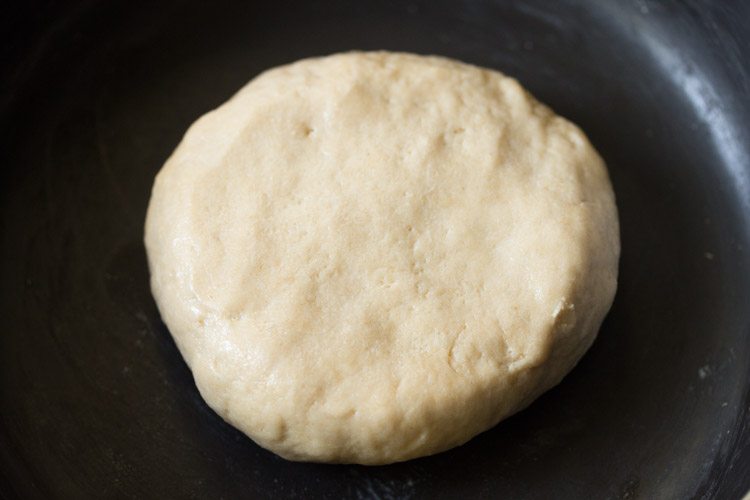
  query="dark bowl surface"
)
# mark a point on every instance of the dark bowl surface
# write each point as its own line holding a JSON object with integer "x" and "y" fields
{"x": 95, "y": 399}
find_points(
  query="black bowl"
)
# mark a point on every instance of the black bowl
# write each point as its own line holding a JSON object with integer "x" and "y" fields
{"x": 96, "y": 401}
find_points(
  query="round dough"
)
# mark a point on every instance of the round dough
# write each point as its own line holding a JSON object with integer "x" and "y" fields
{"x": 371, "y": 257}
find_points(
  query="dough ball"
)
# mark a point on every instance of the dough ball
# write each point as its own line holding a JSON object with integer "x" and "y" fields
{"x": 371, "y": 257}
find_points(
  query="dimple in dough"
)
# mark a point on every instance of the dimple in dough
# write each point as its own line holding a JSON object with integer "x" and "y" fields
{"x": 371, "y": 257}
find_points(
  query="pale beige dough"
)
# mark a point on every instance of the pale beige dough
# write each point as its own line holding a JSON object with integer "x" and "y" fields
{"x": 371, "y": 257}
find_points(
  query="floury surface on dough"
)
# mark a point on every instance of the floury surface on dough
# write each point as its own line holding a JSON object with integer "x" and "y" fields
{"x": 371, "y": 257}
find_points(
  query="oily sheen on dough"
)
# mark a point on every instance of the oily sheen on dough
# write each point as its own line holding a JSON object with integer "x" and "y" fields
{"x": 371, "y": 257}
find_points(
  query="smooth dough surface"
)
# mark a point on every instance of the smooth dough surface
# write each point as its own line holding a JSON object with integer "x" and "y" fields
{"x": 370, "y": 257}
